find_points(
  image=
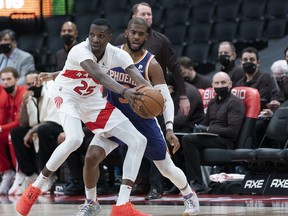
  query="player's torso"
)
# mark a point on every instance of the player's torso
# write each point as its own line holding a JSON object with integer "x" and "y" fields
{"x": 124, "y": 79}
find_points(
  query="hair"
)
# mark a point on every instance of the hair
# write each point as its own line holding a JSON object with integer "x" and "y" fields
{"x": 103, "y": 22}
{"x": 11, "y": 34}
{"x": 231, "y": 45}
{"x": 135, "y": 7}
{"x": 282, "y": 64}
{"x": 285, "y": 51}
{"x": 10, "y": 70}
{"x": 138, "y": 21}
{"x": 250, "y": 50}
{"x": 32, "y": 72}
{"x": 185, "y": 61}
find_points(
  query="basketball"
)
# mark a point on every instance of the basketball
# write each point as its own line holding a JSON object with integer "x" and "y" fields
{"x": 152, "y": 104}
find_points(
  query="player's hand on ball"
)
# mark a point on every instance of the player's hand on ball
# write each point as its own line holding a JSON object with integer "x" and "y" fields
{"x": 132, "y": 95}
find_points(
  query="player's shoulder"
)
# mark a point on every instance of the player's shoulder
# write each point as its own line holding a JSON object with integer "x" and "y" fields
{"x": 115, "y": 51}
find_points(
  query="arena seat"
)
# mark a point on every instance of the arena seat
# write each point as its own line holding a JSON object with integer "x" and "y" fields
{"x": 251, "y": 99}
{"x": 275, "y": 141}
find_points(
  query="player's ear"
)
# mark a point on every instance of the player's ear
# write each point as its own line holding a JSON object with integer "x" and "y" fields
{"x": 126, "y": 33}
{"x": 147, "y": 35}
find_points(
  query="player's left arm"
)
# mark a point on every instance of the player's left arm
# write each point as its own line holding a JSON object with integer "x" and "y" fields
{"x": 156, "y": 76}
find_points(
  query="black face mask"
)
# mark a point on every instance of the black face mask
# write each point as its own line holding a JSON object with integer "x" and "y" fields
{"x": 5, "y": 48}
{"x": 224, "y": 60}
{"x": 68, "y": 39}
{"x": 9, "y": 89}
{"x": 249, "y": 67}
{"x": 222, "y": 91}
{"x": 36, "y": 90}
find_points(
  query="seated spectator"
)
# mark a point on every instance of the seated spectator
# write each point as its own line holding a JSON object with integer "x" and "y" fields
{"x": 191, "y": 76}
{"x": 37, "y": 109}
{"x": 253, "y": 77}
{"x": 279, "y": 71}
{"x": 14, "y": 57}
{"x": 262, "y": 81}
{"x": 224, "y": 117}
{"x": 186, "y": 123}
{"x": 226, "y": 57}
{"x": 11, "y": 97}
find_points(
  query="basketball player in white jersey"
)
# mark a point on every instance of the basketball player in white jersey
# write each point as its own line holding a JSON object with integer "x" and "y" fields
{"x": 77, "y": 95}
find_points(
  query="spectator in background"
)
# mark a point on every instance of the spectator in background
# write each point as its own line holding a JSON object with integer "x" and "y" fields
{"x": 226, "y": 57}
{"x": 11, "y": 98}
{"x": 224, "y": 117}
{"x": 253, "y": 77}
{"x": 37, "y": 109}
{"x": 191, "y": 76}
{"x": 279, "y": 71}
{"x": 14, "y": 57}
{"x": 262, "y": 81}
{"x": 25, "y": 154}
{"x": 69, "y": 34}
{"x": 196, "y": 114}
{"x": 161, "y": 47}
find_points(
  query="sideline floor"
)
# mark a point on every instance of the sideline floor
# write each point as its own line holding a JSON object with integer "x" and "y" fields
{"x": 166, "y": 206}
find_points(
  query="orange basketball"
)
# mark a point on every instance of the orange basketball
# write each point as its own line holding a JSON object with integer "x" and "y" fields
{"x": 151, "y": 106}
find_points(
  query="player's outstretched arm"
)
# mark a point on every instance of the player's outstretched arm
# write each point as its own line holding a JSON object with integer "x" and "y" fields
{"x": 103, "y": 78}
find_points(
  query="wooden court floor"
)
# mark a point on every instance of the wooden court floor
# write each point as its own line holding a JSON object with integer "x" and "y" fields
{"x": 48, "y": 205}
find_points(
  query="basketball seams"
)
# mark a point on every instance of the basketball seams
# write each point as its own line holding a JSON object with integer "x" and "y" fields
{"x": 152, "y": 106}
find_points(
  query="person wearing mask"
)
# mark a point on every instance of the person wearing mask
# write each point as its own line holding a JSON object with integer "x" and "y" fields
{"x": 69, "y": 34}
{"x": 191, "y": 76}
{"x": 226, "y": 57}
{"x": 161, "y": 47}
{"x": 279, "y": 71}
{"x": 14, "y": 57}
{"x": 223, "y": 119}
{"x": 37, "y": 109}
{"x": 263, "y": 82}
{"x": 11, "y": 98}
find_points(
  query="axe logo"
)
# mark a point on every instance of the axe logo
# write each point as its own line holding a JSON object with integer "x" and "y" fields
{"x": 254, "y": 183}
{"x": 279, "y": 183}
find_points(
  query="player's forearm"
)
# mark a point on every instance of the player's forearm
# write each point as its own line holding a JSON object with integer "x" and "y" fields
{"x": 168, "y": 112}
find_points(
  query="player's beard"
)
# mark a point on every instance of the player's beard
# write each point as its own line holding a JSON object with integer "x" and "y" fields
{"x": 134, "y": 50}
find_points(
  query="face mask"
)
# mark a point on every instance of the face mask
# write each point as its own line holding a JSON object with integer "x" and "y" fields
{"x": 68, "y": 39}
{"x": 36, "y": 90}
{"x": 5, "y": 48}
{"x": 249, "y": 67}
{"x": 9, "y": 89}
{"x": 222, "y": 91}
{"x": 224, "y": 60}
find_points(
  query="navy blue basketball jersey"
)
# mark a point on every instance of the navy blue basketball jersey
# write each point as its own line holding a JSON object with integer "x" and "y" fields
{"x": 156, "y": 145}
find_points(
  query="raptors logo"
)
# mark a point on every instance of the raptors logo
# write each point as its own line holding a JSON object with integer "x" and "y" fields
{"x": 58, "y": 101}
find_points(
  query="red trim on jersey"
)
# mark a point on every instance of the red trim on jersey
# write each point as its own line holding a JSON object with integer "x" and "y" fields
{"x": 102, "y": 118}
{"x": 76, "y": 74}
